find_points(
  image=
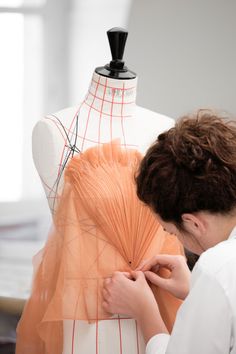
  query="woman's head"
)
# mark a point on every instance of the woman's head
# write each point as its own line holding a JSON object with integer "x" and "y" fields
{"x": 191, "y": 168}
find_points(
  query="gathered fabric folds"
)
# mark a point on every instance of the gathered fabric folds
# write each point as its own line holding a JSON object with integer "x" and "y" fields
{"x": 100, "y": 227}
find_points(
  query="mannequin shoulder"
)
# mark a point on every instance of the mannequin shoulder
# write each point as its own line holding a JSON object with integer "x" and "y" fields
{"x": 49, "y": 138}
{"x": 149, "y": 125}
{"x": 157, "y": 120}
{"x": 55, "y": 123}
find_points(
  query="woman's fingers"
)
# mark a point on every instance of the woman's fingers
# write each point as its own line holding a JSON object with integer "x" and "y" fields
{"x": 107, "y": 307}
{"x": 106, "y": 304}
{"x": 162, "y": 260}
{"x": 127, "y": 275}
{"x": 154, "y": 261}
{"x": 156, "y": 280}
{"x": 178, "y": 281}
{"x": 105, "y": 293}
{"x": 137, "y": 275}
{"x": 156, "y": 268}
{"x": 106, "y": 282}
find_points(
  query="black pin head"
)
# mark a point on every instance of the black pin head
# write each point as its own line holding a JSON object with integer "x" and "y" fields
{"x": 116, "y": 69}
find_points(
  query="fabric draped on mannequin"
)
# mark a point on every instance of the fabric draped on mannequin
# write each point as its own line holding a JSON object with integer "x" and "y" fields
{"x": 100, "y": 227}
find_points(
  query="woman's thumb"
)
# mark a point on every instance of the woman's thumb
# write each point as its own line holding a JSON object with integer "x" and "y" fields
{"x": 156, "y": 279}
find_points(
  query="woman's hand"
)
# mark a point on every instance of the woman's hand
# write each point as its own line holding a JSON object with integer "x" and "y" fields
{"x": 128, "y": 294}
{"x": 179, "y": 280}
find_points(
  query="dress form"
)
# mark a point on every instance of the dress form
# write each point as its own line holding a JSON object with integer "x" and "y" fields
{"x": 108, "y": 112}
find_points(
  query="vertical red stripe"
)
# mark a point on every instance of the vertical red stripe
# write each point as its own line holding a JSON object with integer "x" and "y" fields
{"x": 96, "y": 336}
{"x": 120, "y": 334}
{"x": 137, "y": 334}
{"x": 100, "y": 117}
{"x": 122, "y": 115}
{"x": 97, "y": 320}
{"x": 112, "y": 103}
{"x": 85, "y": 132}
{"x": 73, "y": 337}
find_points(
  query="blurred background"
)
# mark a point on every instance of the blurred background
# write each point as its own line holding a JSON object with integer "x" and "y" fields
{"x": 183, "y": 52}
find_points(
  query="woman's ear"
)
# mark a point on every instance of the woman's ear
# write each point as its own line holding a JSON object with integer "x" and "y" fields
{"x": 194, "y": 224}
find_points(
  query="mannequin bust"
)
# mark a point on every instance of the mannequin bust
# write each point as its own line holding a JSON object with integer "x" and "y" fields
{"x": 108, "y": 112}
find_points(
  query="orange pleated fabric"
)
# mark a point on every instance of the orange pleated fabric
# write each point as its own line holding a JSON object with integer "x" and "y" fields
{"x": 100, "y": 227}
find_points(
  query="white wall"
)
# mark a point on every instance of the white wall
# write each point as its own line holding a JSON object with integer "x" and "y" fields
{"x": 89, "y": 21}
{"x": 184, "y": 53}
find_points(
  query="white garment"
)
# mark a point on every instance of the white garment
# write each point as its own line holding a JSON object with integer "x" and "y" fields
{"x": 206, "y": 321}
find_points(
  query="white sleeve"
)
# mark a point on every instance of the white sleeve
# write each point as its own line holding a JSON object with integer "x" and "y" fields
{"x": 157, "y": 344}
{"x": 203, "y": 323}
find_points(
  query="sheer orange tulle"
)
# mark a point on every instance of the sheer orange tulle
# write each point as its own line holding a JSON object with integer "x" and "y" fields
{"x": 100, "y": 226}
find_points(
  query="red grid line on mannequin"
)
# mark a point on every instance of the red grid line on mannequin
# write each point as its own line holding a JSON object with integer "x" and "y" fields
{"x": 87, "y": 139}
{"x": 107, "y": 114}
{"x": 91, "y": 140}
{"x": 100, "y": 116}
{"x": 74, "y": 322}
{"x": 82, "y": 146}
{"x": 122, "y": 119}
{"x": 114, "y": 102}
{"x": 112, "y": 87}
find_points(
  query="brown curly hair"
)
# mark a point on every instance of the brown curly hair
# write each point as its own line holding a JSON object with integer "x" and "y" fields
{"x": 191, "y": 168}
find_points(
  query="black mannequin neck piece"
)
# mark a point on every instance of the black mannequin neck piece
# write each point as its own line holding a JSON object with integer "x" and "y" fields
{"x": 116, "y": 68}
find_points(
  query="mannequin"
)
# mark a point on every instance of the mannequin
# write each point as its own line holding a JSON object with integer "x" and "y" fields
{"x": 113, "y": 93}
{"x": 107, "y": 113}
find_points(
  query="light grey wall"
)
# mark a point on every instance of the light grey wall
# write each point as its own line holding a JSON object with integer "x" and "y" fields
{"x": 89, "y": 21}
{"x": 184, "y": 52}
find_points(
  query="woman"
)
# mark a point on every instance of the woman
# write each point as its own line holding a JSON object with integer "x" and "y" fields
{"x": 188, "y": 178}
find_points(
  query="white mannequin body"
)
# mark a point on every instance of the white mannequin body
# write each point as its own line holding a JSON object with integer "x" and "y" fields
{"x": 136, "y": 127}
